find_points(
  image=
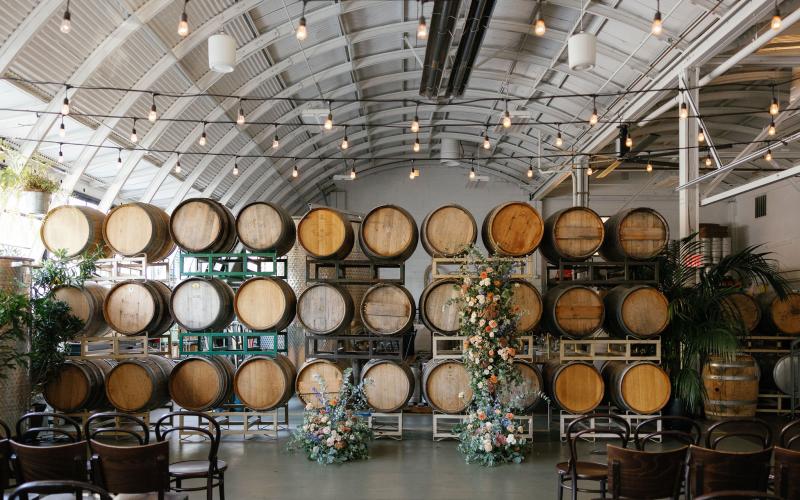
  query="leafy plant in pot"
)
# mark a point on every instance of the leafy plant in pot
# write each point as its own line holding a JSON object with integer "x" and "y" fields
{"x": 27, "y": 180}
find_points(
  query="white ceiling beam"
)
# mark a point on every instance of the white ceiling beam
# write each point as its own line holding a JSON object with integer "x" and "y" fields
{"x": 27, "y": 29}
{"x": 750, "y": 186}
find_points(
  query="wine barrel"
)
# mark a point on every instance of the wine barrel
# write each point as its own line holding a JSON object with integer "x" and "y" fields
{"x": 325, "y": 308}
{"x": 640, "y": 387}
{"x": 448, "y": 231}
{"x": 388, "y": 385}
{"x": 387, "y": 309}
{"x": 781, "y": 315}
{"x": 203, "y": 225}
{"x": 436, "y": 308}
{"x": 513, "y": 229}
{"x": 202, "y": 304}
{"x": 731, "y": 387}
{"x": 139, "y": 384}
{"x": 264, "y": 303}
{"x": 263, "y": 382}
{"x": 388, "y": 233}
{"x": 526, "y": 394}
{"x": 445, "y": 383}
{"x": 325, "y": 233}
{"x": 637, "y": 311}
{"x": 86, "y": 304}
{"x": 201, "y": 383}
{"x": 138, "y": 307}
{"x": 79, "y": 386}
{"x": 73, "y": 229}
{"x": 138, "y": 228}
{"x": 743, "y": 307}
{"x": 637, "y": 233}
{"x": 576, "y": 387}
{"x": 787, "y": 373}
{"x": 527, "y": 303}
{"x": 308, "y": 389}
{"x": 264, "y": 227}
{"x": 572, "y": 234}
{"x": 573, "y": 311}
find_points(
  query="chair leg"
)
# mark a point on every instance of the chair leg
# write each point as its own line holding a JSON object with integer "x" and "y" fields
{"x": 210, "y": 488}
{"x": 178, "y": 483}
{"x": 603, "y": 489}
{"x": 559, "y": 487}
{"x": 221, "y": 486}
{"x": 574, "y": 488}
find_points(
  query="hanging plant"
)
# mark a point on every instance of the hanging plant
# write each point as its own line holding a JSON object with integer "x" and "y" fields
{"x": 27, "y": 179}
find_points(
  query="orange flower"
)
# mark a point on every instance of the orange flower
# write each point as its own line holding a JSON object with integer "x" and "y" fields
{"x": 493, "y": 379}
{"x": 333, "y": 402}
{"x": 496, "y": 282}
{"x": 481, "y": 415}
{"x": 489, "y": 296}
{"x": 488, "y": 328}
{"x": 509, "y": 415}
{"x": 512, "y": 352}
{"x": 466, "y": 344}
{"x": 484, "y": 275}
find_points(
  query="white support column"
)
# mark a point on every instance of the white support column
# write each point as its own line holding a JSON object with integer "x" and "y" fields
{"x": 580, "y": 185}
{"x": 688, "y": 162}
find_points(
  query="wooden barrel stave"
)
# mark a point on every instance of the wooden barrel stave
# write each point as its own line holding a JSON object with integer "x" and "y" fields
{"x": 325, "y": 308}
{"x": 572, "y": 234}
{"x": 390, "y": 386}
{"x": 306, "y": 387}
{"x": 86, "y": 304}
{"x": 731, "y": 387}
{"x": 513, "y": 229}
{"x": 388, "y": 233}
{"x": 139, "y": 384}
{"x": 527, "y": 298}
{"x": 136, "y": 307}
{"x": 74, "y": 229}
{"x": 325, "y": 233}
{"x": 745, "y": 308}
{"x": 637, "y": 234}
{"x": 264, "y": 226}
{"x": 436, "y": 310}
{"x": 576, "y": 387}
{"x": 387, "y": 309}
{"x": 526, "y": 394}
{"x": 443, "y": 380}
{"x": 80, "y": 386}
{"x": 265, "y": 303}
{"x": 636, "y": 311}
{"x": 138, "y": 228}
{"x": 202, "y": 225}
{"x": 199, "y": 304}
{"x": 202, "y": 383}
{"x": 781, "y": 315}
{"x": 642, "y": 387}
{"x": 448, "y": 231}
{"x": 262, "y": 382}
{"x": 573, "y": 311}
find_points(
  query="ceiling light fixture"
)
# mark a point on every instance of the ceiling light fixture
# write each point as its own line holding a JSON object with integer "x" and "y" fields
{"x": 62, "y": 131}
{"x": 506, "y": 117}
{"x": 295, "y": 172}
{"x": 594, "y": 118}
{"x": 134, "y": 135}
{"x": 684, "y": 111}
{"x": 417, "y": 146}
{"x": 65, "y": 103}
{"x": 183, "y": 24}
{"x": 771, "y": 130}
{"x": 345, "y": 143}
{"x": 203, "y": 137}
{"x": 60, "y": 153}
{"x": 657, "y": 27}
{"x": 329, "y": 119}
{"x": 240, "y": 118}
{"x": 472, "y": 174}
{"x": 701, "y": 136}
{"x": 302, "y": 29}
{"x": 486, "y": 143}
{"x": 66, "y": 20}
{"x": 353, "y": 171}
{"x": 559, "y": 139}
{"x": 775, "y": 23}
{"x": 276, "y": 143}
{"x": 236, "y": 166}
{"x": 153, "y": 115}
{"x": 774, "y": 106}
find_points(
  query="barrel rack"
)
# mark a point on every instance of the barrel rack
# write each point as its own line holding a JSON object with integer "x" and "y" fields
{"x": 442, "y": 267}
{"x": 120, "y": 268}
{"x": 117, "y": 346}
{"x": 238, "y": 420}
{"x": 214, "y": 265}
{"x": 378, "y": 272}
{"x": 589, "y": 273}
{"x": 633, "y": 419}
{"x": 394, "y": 348}
{"x": 774, "y": 401}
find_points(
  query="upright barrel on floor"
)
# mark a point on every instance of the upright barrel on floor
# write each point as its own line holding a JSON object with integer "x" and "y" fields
{"x": 527, "y": 302}
{"x": 74, "y": 229}
{"x": 79, "y": 386}
{"x": 782, "y": 315}
{"x": 138, "y": 228}
{"x": 642, "y": 387}
{"x": 325, "y": 308}
{"x": 576, "y": 387}
{"x": 513, "y": 229}
{"x": 448, "y": 231}
{"x": 637, "y": 234}
{"x": 731, "y": 386}
{"x": 526, "y": 394}
{"x": 139, "y": 384}
{"x": 388, "y": 233}
{"x": 202, "y": 225}
{"x": 86, "y": 304}
{"x": 262, "y": 382}
{"x": 308, "y": 389}
{"x": 572, "y": 234}
{"x": 325, "y": 233}
{"x": 201, "y": 383}
{"x": 437, "y": 309}
{"x": 745, "y": 308}
{"x": 200, "y": 304}
{"x": 389, "y": 385}
{"x": 265, "y": 303}
{"x": 573, "y": 311}
{"x": 138, "y": 307}
{"x": 387, "y": 309}
{"x": 638, "y": 311}
{"x": 264, "y": 226}
{"x": 445, "y": 383}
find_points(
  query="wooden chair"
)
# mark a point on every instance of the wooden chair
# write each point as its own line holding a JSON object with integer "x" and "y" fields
{"x": 714, "y": 470}
{"x": 577, "y": 470}
{"x": 787, "y": 473}
{"x": 65, "y": 462}
{"x": 114, "y": 423}
{"x": 636, "y": 474}
{"x": 737, "y": 495}
{"x": 57, "y": 433}
{"x": 692, "y": 434}
{"x": 213, "y": 469}
{"x": 131, "y": 469}
{"x": 790, "y": 434}
{"x": 754, "y": 428}
{"x": 76, "y": 488}
{"x": 5, "y": 457}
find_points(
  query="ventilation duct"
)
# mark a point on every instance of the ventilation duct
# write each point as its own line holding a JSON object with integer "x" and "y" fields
{"x": 443, "y": 24}
{"x": 449, "y": 149}
{"x": 480, "y": 11}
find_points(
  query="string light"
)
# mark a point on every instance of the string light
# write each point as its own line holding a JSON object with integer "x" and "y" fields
{"x": 415, "y": 124}
{"x": 153, "y": 115}
{"x": 417, "y": 146}
{"x": 275, "y": 142}
{"x": 329, "y": 120}
{"x": 472, "y": 174}
{"x": 178, "y": 165}
{"x": 345, "y": 143}
{"x": 772, "y": 129}
{"x": 302, "y": 30}
{"x": 203, "y": 137}
{"x": 62, "y": 131}
{"x": 506, "y": 117}
{"x": 530, "y": 171}
{"x": 119, "y": 156}
{"x": 768, "y": 156}
{"x": 240, "y": 119}
{"x": 422, "y": 29}
{"x": 649, "y": 167}
{"x": 708, "y": 161}
{"x": 684, "y": 111}
{"x": 775, "y": 23}
{"x": 60, "y": 153}
{"x": 65, "y": 103}
{"x": 589, "y": 171}
{"x": 486, "y": 143}
{"x": 66, "y": 20}
{"x": 774, "y": 106}
{"x": 411, "y": 174}
{"x": 236, "y": 167}
{"x": 183, "y": 24}
{"x": 134, "y": 135}
{"x": 629, "y": 142}
{"x": 559, "y": 139}
{"x": 701, "y": 136}
{"x": 295, "y": 172}
{"x": 353, "y": 171}
{"x": 594, "y": 118}
{"x": 657, "y": 27}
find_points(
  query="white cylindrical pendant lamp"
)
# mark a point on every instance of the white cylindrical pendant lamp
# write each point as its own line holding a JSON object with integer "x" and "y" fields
{"x": 221, "y": 53}
{"x": 582, "y": 51}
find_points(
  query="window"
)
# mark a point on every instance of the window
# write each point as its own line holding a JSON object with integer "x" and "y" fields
{"x": 761, "y": 206}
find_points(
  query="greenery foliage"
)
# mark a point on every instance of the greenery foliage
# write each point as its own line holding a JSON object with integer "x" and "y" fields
{"x": 20, "y": 173}
{"x": 14, "y": 321}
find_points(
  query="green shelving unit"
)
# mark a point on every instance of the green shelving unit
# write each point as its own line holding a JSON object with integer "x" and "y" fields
{"x": 276, "y": 343}
{"x": 221, "y": 265}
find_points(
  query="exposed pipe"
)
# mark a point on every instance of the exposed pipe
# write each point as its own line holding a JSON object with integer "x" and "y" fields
{"x": 480, "y": 11}
{"x": 443, "y": 24}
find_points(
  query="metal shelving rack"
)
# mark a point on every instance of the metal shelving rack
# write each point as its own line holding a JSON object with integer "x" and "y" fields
{"x": 252, "y": 264}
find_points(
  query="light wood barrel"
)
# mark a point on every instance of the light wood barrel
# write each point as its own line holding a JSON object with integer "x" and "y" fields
{"x": 637, "y": 233}
{"x": 138, "y": 307}
{"x": 576, "y": 387}
{"x": 640, "y": 387}
{"x": 390, "y": 385}
{"x": 263, "y": 382}
{"x": 203, "y": 225}
{"x": 527, "y": 303}
{"x": 201, "y": 383}
{"x": 80, "y": 385}
{"x": 264, "y": 226}
{"x": 388, "y": 233}
{"x": 731, "y": 387}
{"x": 781, "y": 315}
{"x": 526, "y": 394}
{"x": 785, "y": 372}
{"x": 573, "y": 311}
{"x": 572, "y": 234}
{"x": 443, "y": 381}
{"x": 637, "y": 311}
{"x": 448, "y": 231}
{"x": 744, "y": 307}
{"x": 513, "y": 229}
{"x": 86, "y": 304}
{"x": 307, "y": 388}
{"x": 325, "y": 233}
{"x": 264, "y": 303}
{"x": 325, "y": 308}
{"x": 74, "y": 229}
{"x": 139, "y": 384}
{"x": 436, "y": 310}
{"x": 138, "y": 228}
{"x": 387, "y": 309}
{"x": 202, "y": 304}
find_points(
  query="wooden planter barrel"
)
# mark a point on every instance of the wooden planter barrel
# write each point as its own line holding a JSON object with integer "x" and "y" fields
{"x": 138, "y": 228}
{"x": 781, "y": 315}
{"x": 73, "y": 229}
{"x": 436, "y": 308}
{"x": 745, "y": 308}
{"x": 731, "y": 387}
{"x": 640, "y": 387}
{"x": 264, "y": 303}
{"x": 325, "y": 233}
{"x": 576, "y": 387}
{"x": 200, "y": 304}
{"x": 513, "y": 229}
{"x": 526, "y": 394}
{"x": 785, "y": 373}
{"x": 138, "y": 307}
{"x": 139, "y": 384}
{"x": 388, "y": 233}
{"x": 637, "y": 234}
{"x": 572, "y": 234}
{"x": 201, "y": 383}
{"x": 390, "y": 386}
{"x": 387, "y": 309}
{"x": 80, "y": 386}
{"x": 527, "y": 298}
{"x": 443, "y": 382}
{"x": 448, "y": 231}
{"x": 86, "y": 304}
{"x": 264, "y": 227}
{"x": 332, "y": 374}
{"x": 262, "y": 382}
{"x": 202, "y": 225}
{"x": 635, "y": 311}
{"x": 573, "y": 311}
{"x": 325, "y": 308}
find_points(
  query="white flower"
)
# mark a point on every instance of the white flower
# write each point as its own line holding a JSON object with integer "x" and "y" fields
{"x": 491, "y": 335}
{"x": 330, "y": 442}
{"x": 511, "y": 439}
{"x": 481, "y": 322}
{"x": 520, "y": 429}
{"x": 486, "y": 372}
{"x": 480, "y": 385}
{"x": 487, "y": 446}
{"x": 326, "y": 430}
{"x": 315, "y": 450}
{"x": 488, "y": 425}
{"x": 309, "y": 406}
{"x": 481, "y": 299}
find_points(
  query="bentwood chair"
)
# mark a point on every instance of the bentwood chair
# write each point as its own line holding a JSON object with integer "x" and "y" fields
{"x": 76, "y": 488}
{"x": 131, "y": 469}
{"x": 5, "y": 456}
{"x": 640, "y": 475}
{"x": 64, "y": 429}
{"x": 790, "y": 435}
{"x": 116, "y": 424}
{"x": 64, "y": 462}
{"x": 739, "y": 495}
{"x": 787, "y": 473}
{"x": 713, "y": 470}
{"x": 682, "y": 429}
{"x": 751, "y": 429}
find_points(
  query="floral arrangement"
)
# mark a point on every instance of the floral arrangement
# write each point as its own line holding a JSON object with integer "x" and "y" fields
{"x": 332, "y": 431}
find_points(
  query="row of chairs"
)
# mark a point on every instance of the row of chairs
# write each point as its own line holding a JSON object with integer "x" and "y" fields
{"x": 705, "y": 471}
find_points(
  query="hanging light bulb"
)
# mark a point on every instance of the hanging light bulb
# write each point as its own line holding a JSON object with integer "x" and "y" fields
{"x": 119, "y": 157}
{"x": 60, "y": 153}
{"x": 775, "y": 23}
{"x": 415, "y": 124}
{"x": 345, "y": 142}
{"x": 153, "y": 115}
{"x": 589, "y": 171}
{"x": 708, "y": 161}
{"x": 203, "y": 137}
{"x": 275, "y": 142}
{"x": 183, "y": 24}
{"x": 66, "y": 20}
{"x": 539, "y": 27}
{"x": 774, "y": 106}
{"x": 768, "y": 156}
{"x": 328, "y": 120}
{"x": 559, "y": 139}
{"x": 472, "y": 174}
{"x": 302, "y": 29}
{"x": 486, "y": 143}
{"x": 240, "y": 119}
{"x": 411, "y": 174}
{"x": 684, "y": 111}
{"x": 236, "y": 167}
{"x": 353, "y": 172}
{"x": 629, "y": 142}
{"x": 295, "y": 172}
{"x": 134, "y": 135}
{"x": 771, "y": 130}
{"x": 594, "y": 118}
{"x": 422, "y": 29}
{"x": 65, "y": 103}
{"x": 530, "y": 171}
{"x": 649, "y": 166}
{"x": 178, "y": 165}
{"x": 657, "y": 27}
{"x": 417, "y": 146}
{"x": 701, "y": 136}
{"x": 506, "y": 120}
{"x": 62, "y": 131}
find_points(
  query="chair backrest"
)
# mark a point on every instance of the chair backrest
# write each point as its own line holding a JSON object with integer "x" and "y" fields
{"x": 77, "y": 488}
{"x": 737, "y": 495}
{"x": 753, "y": 428}
{"x": 790, "y": 434}
{"x": 643, "y": 474}
{"x": 5, "y": 462}
{"x": 206, "y": 426}
{"x": 6, "y": 430}
{"x": 714, "y": 470}
{"x": 683, "y": 429}
{"x": 31, "y": 427}
{"x": 65, "y": 462}
{"x": 787, "y": 472}
{"x": 595, "y": 424}
{"x": 116, "y": 423}
{"x": 131, "y": 469}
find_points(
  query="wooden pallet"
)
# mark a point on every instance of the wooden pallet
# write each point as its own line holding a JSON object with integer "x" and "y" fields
{"x": 130, "y": 268}
{"x": 450, "y": 267}
{"x": 116, "y": 346}
{"x": 527, "y": 352}
{"x": 386, "y": 425}
{"x": 609, "y": 349}
{"x": 244, "y": 422}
